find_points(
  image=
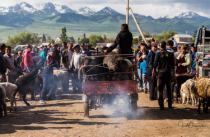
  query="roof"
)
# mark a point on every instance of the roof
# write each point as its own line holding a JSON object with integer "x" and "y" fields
{"x": 183, "y": 35}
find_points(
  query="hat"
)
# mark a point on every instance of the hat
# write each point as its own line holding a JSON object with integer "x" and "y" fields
{"x": 2, "y": 45}
{"x": 29, "y": 46}
{"x": 76, "y": 45}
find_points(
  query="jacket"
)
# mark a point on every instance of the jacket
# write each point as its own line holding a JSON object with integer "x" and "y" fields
{"x": 125, "y": 41}
{"x": 150, "y": 60}
{"x": 27, "y": 60}
{"x": 164, "y": 63}
{"x": 3, "y": 67}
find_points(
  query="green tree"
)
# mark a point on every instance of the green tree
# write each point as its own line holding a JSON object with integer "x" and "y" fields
{"x": 136, "y": 41}
{"x": 44, "y": 39}
{"x": 64, "y": 37}
{"x": 165, "y": 35}
{"x": 84, "y": 39}
{"x": 23, "y": 38}
{"x": 94, "y": 39}
{"x": 50, "y": 40}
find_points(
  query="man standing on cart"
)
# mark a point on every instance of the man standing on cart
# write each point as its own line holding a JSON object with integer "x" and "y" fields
{"x": 124, "y": 41}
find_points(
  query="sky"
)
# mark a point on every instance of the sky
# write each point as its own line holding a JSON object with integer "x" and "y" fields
{"x": 154, "y": 8}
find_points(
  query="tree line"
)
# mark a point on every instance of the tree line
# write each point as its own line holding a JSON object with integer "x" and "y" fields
{"x": 23, "y": 38}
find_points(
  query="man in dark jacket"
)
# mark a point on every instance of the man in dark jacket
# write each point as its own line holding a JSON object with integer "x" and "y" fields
{"x": 150, "y": 66}
{"x": 3, "y": 66}
{"x": 124, "y": 40}
{"x": 164, "y": 65}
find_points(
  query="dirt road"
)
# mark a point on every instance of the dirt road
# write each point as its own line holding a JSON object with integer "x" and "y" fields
{"x": 64, "y": 118}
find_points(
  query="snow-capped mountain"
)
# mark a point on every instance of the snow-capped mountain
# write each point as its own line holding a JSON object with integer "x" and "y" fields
{"x": 107, "y": 11}
{"x": 86, "y": 11}
{"x": 64, "y": 9}
{"x": 188, "y": 15}
{"x": 22, "y": 7}
{"x": 3, "y": 10}
{"x": 49, "y": 8}
{"x": 24, "y": 14}
{"x": 55, "y": 9}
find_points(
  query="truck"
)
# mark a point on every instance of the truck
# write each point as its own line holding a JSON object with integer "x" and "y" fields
{"x": 202, "y": 42}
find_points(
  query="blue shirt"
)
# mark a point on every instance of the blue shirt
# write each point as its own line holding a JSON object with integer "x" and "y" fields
{"x": 143, "y": 67}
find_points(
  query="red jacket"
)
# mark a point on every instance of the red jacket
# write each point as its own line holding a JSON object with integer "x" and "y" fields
{"x": 27, "y": 60}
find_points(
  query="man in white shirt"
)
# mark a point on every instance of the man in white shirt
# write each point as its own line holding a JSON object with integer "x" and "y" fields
{"x": 75, "y": 66}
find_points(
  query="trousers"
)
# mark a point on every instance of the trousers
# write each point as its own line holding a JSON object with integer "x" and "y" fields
{"x": 163, "y": 81}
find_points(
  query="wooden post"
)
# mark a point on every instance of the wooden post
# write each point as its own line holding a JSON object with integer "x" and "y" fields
{"x": 127, "y": 11}
{"x": 138, "y": 26}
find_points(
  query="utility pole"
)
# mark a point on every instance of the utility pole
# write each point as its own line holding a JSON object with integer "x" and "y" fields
{"x": 138, "y": 26}
{"x": 127, "y": 11}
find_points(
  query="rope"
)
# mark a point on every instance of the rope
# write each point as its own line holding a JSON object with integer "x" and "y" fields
{"x": 93, "y": 66}
{"x": 109, "y": 73}
{"x": 122, "y": 55}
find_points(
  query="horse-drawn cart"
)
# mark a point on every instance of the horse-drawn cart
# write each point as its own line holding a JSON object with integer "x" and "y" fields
{"x": 101, "y": 86}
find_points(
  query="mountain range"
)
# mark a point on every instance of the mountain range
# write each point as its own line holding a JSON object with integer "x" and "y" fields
{"x": 51, "y": 17}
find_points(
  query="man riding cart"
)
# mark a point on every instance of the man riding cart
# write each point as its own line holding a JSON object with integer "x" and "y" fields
{"x": 107, "y": 77}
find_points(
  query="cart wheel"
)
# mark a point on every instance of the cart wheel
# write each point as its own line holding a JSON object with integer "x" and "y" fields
{"x": 86, "y": 106}
{"x": 134, "y": 105}
{"x": 134, "y": 99}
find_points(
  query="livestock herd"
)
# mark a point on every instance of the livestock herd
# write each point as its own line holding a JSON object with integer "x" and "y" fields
{"x": 198, "y": 91}
{"x": 25, "y": 84}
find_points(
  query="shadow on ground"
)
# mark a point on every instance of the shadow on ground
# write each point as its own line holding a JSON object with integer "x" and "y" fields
{"x": 153, "y": 113}
{"x": 26, "y": 116}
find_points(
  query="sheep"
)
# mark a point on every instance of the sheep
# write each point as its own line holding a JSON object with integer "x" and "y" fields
{"x": 10, "y": 90}
{"x": 203, "y": 92}
{"x": 3, "y": 106}
{"x": 188, "y": 92}
{"x": 62, "y": 77}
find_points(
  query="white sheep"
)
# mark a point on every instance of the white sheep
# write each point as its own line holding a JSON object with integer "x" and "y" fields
{"x": 10, "y": 90}
{"x": 62, "y": 77}
{"x": 188, "y": 91}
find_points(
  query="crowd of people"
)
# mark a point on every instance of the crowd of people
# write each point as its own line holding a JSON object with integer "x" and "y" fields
{"x": 66, "y": 56}
{"x": 163, "y": 67}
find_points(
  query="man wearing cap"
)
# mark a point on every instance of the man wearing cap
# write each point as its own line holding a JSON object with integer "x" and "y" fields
{"x": 164, "y": 67}
{"x": 150, "y": 66}
{"x": 3, "y": 67}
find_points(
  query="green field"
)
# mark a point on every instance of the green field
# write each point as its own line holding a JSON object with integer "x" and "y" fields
{"x": 54, "y": 29}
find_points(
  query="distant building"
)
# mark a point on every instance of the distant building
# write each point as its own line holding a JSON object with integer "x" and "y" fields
{"x": 59, "y": 41}
{"x": 183, "y": 39}
{"x": 71, "y": 39}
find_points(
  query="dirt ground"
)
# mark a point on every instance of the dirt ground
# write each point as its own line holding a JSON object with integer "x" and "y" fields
{"x": 64, "y": 118}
